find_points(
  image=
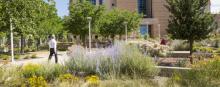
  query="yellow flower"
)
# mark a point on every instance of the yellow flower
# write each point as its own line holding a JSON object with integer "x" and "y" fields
{"x": 31, "y": 66}
{"x": 93, "y": 80}
{"x": 37, "y": 82}
{"x": 68, "y": 77}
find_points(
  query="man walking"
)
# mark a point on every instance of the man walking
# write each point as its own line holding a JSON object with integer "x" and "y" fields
{"x": 53, "y": 48}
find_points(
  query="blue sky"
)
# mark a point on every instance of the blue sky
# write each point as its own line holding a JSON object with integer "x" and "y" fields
{"x": 62, "y": 6}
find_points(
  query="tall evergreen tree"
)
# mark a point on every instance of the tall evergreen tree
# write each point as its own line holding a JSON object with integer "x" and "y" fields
{"x": 190, "y": 20}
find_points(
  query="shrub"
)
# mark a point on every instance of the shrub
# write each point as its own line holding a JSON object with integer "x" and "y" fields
{"x": 93, "y": 80}
{"x": 128, "y": 83}
{"x": 31, "y": 70}
{"x": 27, "y": 57}
{"x": 37, "y": 82}
{"x": 121, "y": 59}
{"x": 34, "y": 56}
{"x": 53, "y": 71}
{"x": 44, "y": 47}
{"x": 218, "y": 50}
{"x": 203, "y": 49}
{"x": 10, "y": 77}
{"x": 68, "y": 78}
{"x": 178, "y": 45}
{"x": 17, "y": 57}
{"x": 203, "y": 74}
{"x": 49, "y": 72}
{"x": 4, "y": 57}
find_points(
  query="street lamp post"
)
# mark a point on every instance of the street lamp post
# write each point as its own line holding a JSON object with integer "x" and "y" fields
{"x": 12, "y": 44}
{"x": 159, "y": 30}
{"x": 126, "y": 31}
{"x": 90, "y": 38}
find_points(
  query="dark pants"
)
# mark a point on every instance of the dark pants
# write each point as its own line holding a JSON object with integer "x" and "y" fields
{"x": 52, "y": 51}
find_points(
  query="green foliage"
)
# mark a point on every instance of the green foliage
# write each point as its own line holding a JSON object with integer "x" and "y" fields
{"x": 34, "y": 56}
{"x": 113, "y": 22}
{"x": 4, "y": 57}
{"x": 53, "y": 71}
{"x": 126, "y": 61}
{"x": 31, "y": 70}
{"x": 10, "y": 77}
{"x": 36, "y": 17}
{"x": 2, "y": 34}
{"x": 27, "y": 57}
{"x": 62, "y": 46}
{"x": 49, "y": 72}
{"x": 105, "y": 23}
{"x": 180, "y": 45}
{"x": 23, "y": 14}
{"x": 51, "y": 23}
{"x": 189, "y": 20}
{"x": 203, "y": 49}
{"x": 218, "y": 50}
{"x": 204, "y": 73}
{"x": 77, "y": 22}
{"x": 37, "y": 82}
{"x": 17, "y": 57}
{"x": 68, "y": 78}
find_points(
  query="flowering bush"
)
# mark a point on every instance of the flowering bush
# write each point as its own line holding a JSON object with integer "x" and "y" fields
{"x": 49, "y": 72}
{"x": 68, "y": 77}
{"x": 120, "y": 59}
{"x": 37, "y": 82}
{"x": 93, "y": 80}
{"x": 203, "y": 74}
{"x": 31, "y": 70}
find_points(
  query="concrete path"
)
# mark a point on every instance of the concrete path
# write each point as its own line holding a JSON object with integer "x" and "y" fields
{"x": 43, "y": 58}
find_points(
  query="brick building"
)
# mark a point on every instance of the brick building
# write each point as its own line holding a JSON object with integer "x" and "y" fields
{"x": 155, "y": 20}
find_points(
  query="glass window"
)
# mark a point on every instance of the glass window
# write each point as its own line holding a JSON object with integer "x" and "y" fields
{"x": 100, "y": 2}
{"x": 142, "y": 7}
{"x": 93, "y": 2}
{"x": 145, "y": 7}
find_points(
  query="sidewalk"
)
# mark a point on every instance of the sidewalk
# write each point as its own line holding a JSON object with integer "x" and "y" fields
{"x": 43, "y": 58}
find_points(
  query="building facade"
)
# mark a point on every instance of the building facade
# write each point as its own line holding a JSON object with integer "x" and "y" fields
{"x": 155, "y": 15}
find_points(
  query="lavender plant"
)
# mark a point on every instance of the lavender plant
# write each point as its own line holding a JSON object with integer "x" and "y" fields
{"x": 116, "y": 61}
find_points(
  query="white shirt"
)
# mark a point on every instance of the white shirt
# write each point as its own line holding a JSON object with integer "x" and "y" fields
{"x": 53, "y": 44}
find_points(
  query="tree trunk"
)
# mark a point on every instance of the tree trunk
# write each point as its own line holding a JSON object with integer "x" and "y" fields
{"x": 113, "y": 38}
{"x": 38, "y": 44}
{"x": 83, "y": 39}
{"x": 191, "y": 42}
{"x": 120, "y": 37}
{"x": 22, "y": 45}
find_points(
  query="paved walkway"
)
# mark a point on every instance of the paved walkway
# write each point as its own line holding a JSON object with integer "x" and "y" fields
{"x": 43, "y": 58}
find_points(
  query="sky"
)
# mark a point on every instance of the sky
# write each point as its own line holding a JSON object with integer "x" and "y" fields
{"x": 62, "y": 7}
{"x": 215, "y": 6}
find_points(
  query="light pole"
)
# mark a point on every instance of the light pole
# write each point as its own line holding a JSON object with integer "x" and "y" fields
{"x": 159, "y": 30}
{"x": 126, "y": 31}
{"x": 90, "y": 38}
{"x": 12, "y": 44}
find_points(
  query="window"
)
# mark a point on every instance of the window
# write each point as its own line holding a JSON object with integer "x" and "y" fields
{"x": 146, "y": 30}
{"x": 145, "y": 8}
{"x": 113, "y": 4}
{"x": 100, "y": 2}
{"x": 93, "y": 2}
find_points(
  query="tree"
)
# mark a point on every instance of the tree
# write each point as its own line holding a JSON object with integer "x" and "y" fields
{"x": 48, "y": 23}
{"x": 113, "y": 22}
{"x": 28, "y": 17}
{"x": 77, "y": 23}
{"x": 189, "y": 20}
